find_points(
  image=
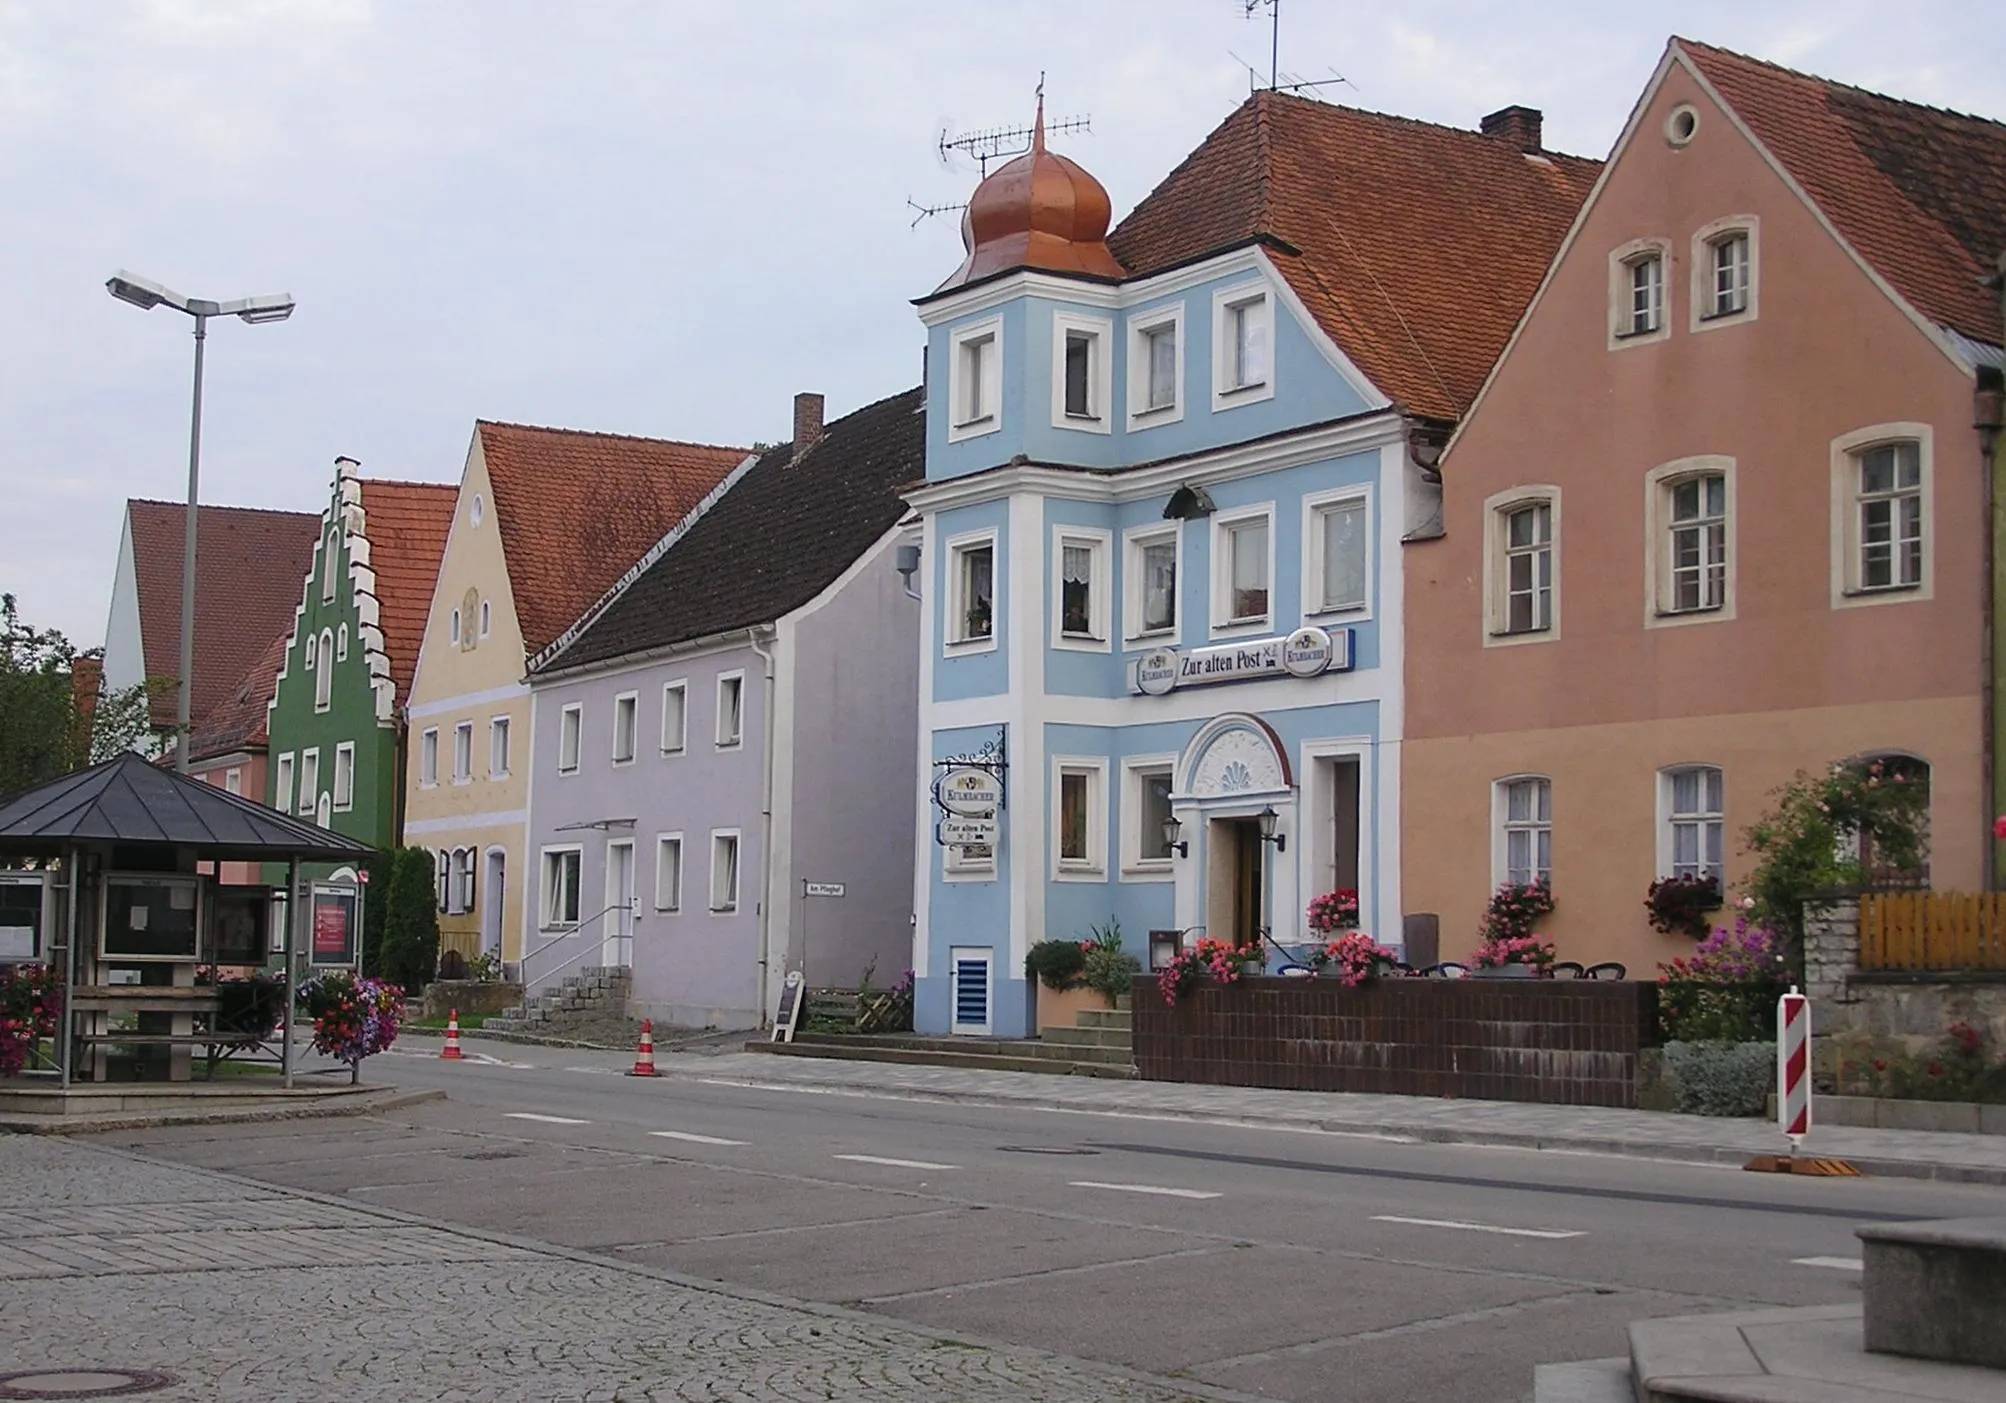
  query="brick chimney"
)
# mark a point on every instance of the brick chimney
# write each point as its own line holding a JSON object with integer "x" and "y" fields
{"x": 1517, "y": 125}
{"x": 807, "y": 424}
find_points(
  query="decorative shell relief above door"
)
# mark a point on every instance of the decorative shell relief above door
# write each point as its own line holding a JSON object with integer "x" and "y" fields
{"x": 1238, "y": 760}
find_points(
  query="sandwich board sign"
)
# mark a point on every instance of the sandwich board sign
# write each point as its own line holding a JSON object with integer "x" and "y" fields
{"x": 792, "y": 993}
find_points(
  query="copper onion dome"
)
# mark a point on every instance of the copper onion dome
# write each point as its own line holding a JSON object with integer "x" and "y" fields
{"x": 1039, "y": 211}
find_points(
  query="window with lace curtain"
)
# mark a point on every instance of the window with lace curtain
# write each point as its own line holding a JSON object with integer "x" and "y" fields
{"x": 1151, "y": 587}
{"x": 1081, "y": 591}
{"x": 1695, "y": 822}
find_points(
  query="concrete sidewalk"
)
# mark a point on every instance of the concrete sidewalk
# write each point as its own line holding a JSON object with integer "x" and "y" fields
{"x": 1972, "y": 1159}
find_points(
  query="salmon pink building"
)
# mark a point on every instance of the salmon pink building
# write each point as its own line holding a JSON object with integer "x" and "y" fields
{"x": 1716, "y": 516}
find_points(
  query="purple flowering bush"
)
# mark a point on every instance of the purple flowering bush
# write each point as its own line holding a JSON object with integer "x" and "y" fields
{"x": 1726, "y": 990}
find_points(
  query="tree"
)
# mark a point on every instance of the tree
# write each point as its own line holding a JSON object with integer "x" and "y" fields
{"x": 44, "y": 731}
{"x": 410, "y": 921}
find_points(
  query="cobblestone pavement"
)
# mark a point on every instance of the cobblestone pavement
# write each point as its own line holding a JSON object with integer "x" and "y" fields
{"x": 1655, "y": 1134}
{"x": 110, "y": 1262}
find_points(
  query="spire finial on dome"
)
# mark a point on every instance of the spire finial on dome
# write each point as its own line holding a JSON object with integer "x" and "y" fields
{"x": 1038, "y": 126}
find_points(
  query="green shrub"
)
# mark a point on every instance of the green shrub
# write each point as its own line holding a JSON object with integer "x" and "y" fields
{"x": 1722, "y": 1078}
{"x": 1057, "y": 964}
{"x": 1110, "y": 971}
{"x": 410, "y": 921}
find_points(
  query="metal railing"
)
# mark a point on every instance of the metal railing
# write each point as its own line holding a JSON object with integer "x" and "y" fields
{"x": 594, "y": 946}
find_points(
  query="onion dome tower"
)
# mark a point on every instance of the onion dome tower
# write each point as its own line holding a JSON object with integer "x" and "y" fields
{"x": 1039, "y": 211}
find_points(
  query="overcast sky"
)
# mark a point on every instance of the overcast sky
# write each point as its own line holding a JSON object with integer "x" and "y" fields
{"x": 646, "y": 216}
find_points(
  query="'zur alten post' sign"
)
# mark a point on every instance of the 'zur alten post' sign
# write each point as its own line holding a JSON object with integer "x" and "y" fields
{"x": 1308, "y": 652}
{"x": 970, "y": 792}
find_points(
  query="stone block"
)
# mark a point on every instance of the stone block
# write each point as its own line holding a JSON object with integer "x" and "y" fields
{"x": 1936, "y": 1290}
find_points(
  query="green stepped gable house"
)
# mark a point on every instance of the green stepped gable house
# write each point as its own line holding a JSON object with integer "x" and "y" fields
{"x": 336, "y": 725}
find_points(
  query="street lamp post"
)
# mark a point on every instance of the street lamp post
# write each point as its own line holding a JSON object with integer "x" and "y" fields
{"x": 146, "y": 295}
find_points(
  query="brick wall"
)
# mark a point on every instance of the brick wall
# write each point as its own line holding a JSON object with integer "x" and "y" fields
{"x": 1569, "y": 1042}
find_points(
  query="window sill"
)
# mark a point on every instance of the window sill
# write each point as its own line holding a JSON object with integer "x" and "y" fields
{"x": 1148, "y": 869}
{"x": 564, "y": 770}
{"x": 1640, "y": 334}
{"x": 1071, "y": 417}
{"x": 620, "y": 762}
{"x": 668, "y": 910}
{"x": 1546, "y": 632}
{"x": 1147, "y": 639}
{"x": 1716, "y": 318}
{"x": 1241, "y": 628}
{"x": 1241, "y": 391}
{"x": 730, "y": 745}
{"x": 1333, "y": 610}
{"x": 963, "y": 425}
{"x": 1881, "y": 591}
{"x": 428, "y": 784}
{"x": 1155, "y": 411}
{"x": 724, "y": 910}
{"x": 494, "y": 775}
{"x": 1697, "y": 613}
{"x": 971, "y": 645}
{"x": 561, "y": 928}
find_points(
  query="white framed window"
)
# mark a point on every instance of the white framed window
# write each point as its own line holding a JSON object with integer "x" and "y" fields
{"x": 282, "y": 784}
{"x": 1154, "y": 556}
{"x": 487, "y": 616}
{"x": 233, "y": 781}
{"x": 1883, "y": 529}
{"x": 428, "y": 757}
{"x": 341, "y": 644}
{"x": 1079, "y": 818}
{"x": 455, "y": 626}
{"x": 1243, "y": 341}
{"x": 1082, "y": 366}
{"x": 1243, "y": 568}
{"x": 1337, "y": 552}
{"x": 460, "y": 881}
{"x": 442, "y": 880}
{"x": 344, "y": 775}
{"x": 1145, "y": 805}
{"x": 1726, "y": 267}
{"x": 624, "y": 708}
{"x": 323, "y": 677}
{"x": 669, "y": 872}
{"x": 329, "y": 561}
{"x": 560, "y": 887}
{"x": 1082, "y": 588}
{"x": 1156, "y": 367}
{"x": 498, "y": 747}
{"x": 463, "y": 752}
{"x": 723, "y": 870}
{"x": 309, "y": 779}
{"x": 309, "y": 652}
{"x": 975, "y": 379}
{"x": 570, "y": 730}
{"x": 1692, "y": 821}
{"x": 971, "y": 595}
{"x": 675, "y": 716}
{"x": 1689, "y": 506}
{"x": 1522, "y": 822}
{"x": 475, "y": 512}
{"x": 730, "y": 709}
{"x": 1521, "y": 569}
{"x": 1637, "y": 292}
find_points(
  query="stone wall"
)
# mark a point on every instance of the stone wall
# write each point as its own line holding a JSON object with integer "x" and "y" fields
{"x": 1563, "y": 1041}
{"x": 1860, "y": 1014}
{"x": 470, "y": 996}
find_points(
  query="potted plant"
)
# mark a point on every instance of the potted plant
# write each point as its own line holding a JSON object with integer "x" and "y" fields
{"x": 1513, "y": 957}
{"x": 1684, "y": 905}
{"x": 1334, "y": 911}
{"x": 1209, "y": 959}
{"x": 1352, "y": 959}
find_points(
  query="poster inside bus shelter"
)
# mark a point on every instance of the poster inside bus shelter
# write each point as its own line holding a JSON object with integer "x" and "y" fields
{"x": 336, "y": 930}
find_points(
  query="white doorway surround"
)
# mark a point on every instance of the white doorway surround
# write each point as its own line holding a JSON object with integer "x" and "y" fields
{"x": 494, "y": 889}
{"x": 617, "y": 946}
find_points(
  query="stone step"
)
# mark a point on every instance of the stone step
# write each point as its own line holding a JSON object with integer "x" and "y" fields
{"x": 1588, "y": 1381}
{"x": 1105, "y": 1018}
{"x": 1936, "y": 1290}
{"x": 846, "y": 1049}
{"x": 1088, "y": 1037}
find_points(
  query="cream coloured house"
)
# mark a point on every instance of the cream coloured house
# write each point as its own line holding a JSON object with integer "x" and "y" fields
{"x": 547, "y": 520}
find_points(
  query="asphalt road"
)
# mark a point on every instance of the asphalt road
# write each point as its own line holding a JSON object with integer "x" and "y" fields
{"x": 1291, "y": 1265}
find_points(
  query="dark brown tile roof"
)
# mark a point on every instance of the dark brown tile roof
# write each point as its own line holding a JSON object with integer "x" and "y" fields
{"x": 772, "y": 541}
{"x": 577, "y": 509}
{"x": 1415, "y": 246}
{"x": 248, "y": 567}
{"x": 406, "y": 523}
{"x": 238, "y": 721}
{"x": 1920, "y": 193}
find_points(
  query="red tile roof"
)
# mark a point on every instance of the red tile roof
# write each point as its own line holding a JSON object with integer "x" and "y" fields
{"x": 1415, "y": 246}
{"x": 406, "y": 525}
{"x": 248, "y": 566}
{"x": 1918, "y": 192}
{"x": 238, "y": 721}
{"x": 577, "y": 510}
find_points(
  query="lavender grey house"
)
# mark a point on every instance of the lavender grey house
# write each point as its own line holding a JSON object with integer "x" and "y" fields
{"x": 735, "y": 727}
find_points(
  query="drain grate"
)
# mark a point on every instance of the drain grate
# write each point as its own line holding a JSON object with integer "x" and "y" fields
{"x": 494, "y": 1154}
{"x": 82, "y": 1383}
{"x": 1045, "y": 1150}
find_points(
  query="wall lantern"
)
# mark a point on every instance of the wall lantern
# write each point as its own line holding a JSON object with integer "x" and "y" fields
{"x": 1171, "y": 829}
{"x": 1266, "y": 818}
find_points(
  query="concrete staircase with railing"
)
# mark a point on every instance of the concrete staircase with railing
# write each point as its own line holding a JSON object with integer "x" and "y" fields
{"x": 591, "y": 996}
{"x": 1097, "y": 1046}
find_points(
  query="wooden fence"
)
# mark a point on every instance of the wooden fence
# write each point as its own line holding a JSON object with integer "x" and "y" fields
{"x": 1935, "y": 931}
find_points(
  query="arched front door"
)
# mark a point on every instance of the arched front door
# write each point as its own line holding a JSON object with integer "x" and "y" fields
{"x": 1232, "y": 770}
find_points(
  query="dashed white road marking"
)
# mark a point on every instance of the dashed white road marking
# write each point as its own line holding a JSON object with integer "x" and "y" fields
{"x": 1157, "y": 1189}
{"x": 694, "y": 1138}
{"x": 1835, "y": 1263}
{"x": 546, "y": 1120}
{"x": 897, "y": 1163}
{"x": 1554, "y": 1233}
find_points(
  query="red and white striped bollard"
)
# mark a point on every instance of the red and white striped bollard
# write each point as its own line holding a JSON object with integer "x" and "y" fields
{"x": 1793, "y": 1067}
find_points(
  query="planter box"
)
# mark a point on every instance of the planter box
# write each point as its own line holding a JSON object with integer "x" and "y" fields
{"x": 1061, "y": 1008}
{"x": 1566, "y": 1042}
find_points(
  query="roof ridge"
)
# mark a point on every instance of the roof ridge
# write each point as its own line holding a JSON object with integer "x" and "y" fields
{"x": 599, "y": 433}
{"x": 402, "y": 482}
{"x": 1702, "y": 47}
{"x": 216, "y": 507}
{"x": 1470, "y": 132}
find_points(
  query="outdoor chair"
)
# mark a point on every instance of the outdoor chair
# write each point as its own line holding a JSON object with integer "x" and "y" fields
{"x": 1607, "y": 970}
{"x": 1448, "y": 969}
{"x": 1567, "y": 969}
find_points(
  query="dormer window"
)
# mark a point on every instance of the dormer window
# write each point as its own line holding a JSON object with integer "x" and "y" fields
{"x": 1247, "y": 327}
{"x": 975, "y": 373}
{"x": 1243, "y": 333}
{"x": 1156, "y": 367}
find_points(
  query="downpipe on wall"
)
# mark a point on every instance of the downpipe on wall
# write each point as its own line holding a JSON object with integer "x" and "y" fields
{"x": 760, "y": 647}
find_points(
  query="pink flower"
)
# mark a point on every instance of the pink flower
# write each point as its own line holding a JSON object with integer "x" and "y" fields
{"x": 1999, "y": 827}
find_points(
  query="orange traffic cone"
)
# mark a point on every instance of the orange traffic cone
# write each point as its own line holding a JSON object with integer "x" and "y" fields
{"x": 644, "y": 1058}
{"x": 451, "y": 1051}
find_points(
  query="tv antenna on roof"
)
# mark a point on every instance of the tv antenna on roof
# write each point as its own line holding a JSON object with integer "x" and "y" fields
{"x": 990, "y": 144}
{"x": 1296, "y": 84}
